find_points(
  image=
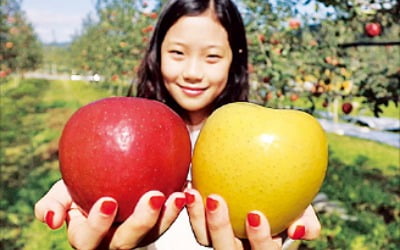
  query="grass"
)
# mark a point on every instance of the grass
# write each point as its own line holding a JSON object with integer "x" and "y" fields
{"x": 74, "y": 93}
{"x": 390, "y": 111}
{"x": 380, "y": 156}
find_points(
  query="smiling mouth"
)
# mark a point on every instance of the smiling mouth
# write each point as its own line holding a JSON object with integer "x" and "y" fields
{"x": 192, "y": 91}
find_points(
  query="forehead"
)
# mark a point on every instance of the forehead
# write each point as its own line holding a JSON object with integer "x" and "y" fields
{"x": 200, "y": 29}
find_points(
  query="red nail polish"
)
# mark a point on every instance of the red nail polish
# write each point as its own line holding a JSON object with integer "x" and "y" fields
{"x": 180, "y": 202}
{"x": 49, "y": 219}
{"x": 156, "y": 202}
{"x": 211, "y": 204}
{"x": 108, "y": 207}
{"x": 189, "y": 198}
{"x": 299, "y": 232}
{"x": 253, "y": 219}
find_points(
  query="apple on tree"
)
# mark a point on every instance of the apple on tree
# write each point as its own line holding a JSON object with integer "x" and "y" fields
{"x": 3, "y": 74}
{"x": 325, "y": 104}
{"x": 373, "y": 29}
{"x": 122, "y": 147}
{"x": 262, "y": 159}
{"x": 266, "y": 79}
{"x": 114, "y": 78}
{"x": 294, "y": 24}
{"x": 347, "y": 107}
{"x": 261, "y": 38}
{"x": 294, "y": 97}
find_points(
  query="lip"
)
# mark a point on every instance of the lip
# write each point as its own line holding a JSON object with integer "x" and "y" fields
{"x": 192, "y": 91}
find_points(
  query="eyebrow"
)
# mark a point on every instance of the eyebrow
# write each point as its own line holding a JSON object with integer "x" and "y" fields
{"x": 210, "y": 46}
{"x": 177, "y": 42}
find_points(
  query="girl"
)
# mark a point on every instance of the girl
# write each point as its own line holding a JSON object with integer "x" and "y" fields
{"x": 196, "y": 61}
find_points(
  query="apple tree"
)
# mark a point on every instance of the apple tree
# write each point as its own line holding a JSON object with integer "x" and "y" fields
{"x": 113, "y": 42}
{"x": 20, "y": 48}
{"x": 297, "y": 49}
{"x": 310, "y": 49}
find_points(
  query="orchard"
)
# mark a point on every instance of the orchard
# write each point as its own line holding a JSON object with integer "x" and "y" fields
{"x": 336, "y": 51}
{"x": 20, "y": 48}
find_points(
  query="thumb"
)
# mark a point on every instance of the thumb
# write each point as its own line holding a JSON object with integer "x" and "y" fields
{"x": 53, "y": 206}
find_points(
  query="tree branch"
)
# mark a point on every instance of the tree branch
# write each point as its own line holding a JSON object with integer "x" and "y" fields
{"x": 356, "y": 44}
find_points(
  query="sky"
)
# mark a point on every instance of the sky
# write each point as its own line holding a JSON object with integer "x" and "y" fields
{"x": 57, "y": 20}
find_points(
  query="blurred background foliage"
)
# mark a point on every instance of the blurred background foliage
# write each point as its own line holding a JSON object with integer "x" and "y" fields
{"x": 338, "y": 51}
{"x": 336, "y": 56}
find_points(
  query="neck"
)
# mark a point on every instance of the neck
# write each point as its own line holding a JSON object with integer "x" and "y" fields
{"x": 196, "y": 119}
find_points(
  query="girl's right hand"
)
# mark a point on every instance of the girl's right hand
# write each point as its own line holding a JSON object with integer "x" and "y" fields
{"x": 87, "y": 231}
{"x": 212, "y": 227}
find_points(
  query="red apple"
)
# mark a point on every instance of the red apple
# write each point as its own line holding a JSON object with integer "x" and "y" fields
{"x": 373, "y": 29}
{"x": 266, "y": 79}
{"x": 294, "y": 24}
{"x": 269, "y": 96}
{"x": 9, "y": 45}
{"x": 261, "y": 38}
{"x": 153, "y": 15}
{"x": 347, "y": 107}
{"x": 148, "y": 29}
{"x": 294, "y": 97}
{"x": 317, "y": 90}
{"x": 274, "y": 41}
{"x": 325, "y": 104}
{"x": 114, "y": 78}
{"x": 123, "y": 147}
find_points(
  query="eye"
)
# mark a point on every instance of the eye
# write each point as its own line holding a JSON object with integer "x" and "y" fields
{"x": 176, "y": 52}
{"x": 213, "y": 58}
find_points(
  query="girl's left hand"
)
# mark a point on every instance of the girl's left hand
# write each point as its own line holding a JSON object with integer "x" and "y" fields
{"x": 212, "y": 227}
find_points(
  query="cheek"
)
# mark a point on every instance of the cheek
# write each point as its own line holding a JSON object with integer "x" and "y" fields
{"x": 169, "y": 70}
{"x": 219, "y": 75}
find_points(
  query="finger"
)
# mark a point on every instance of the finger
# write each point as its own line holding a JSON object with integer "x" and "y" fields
{"x": 306, "y": 227}
{"x": 169, "y": 213}
{"x": 52, "y": 207}
{"x": 173, "y": 206}
{"x": 197, "y": 217}
{"x": 259, "y": 232}
{"x": 218, "y": 224}
{"x": 144, "y": 217}
{"x": 87, "y": 232}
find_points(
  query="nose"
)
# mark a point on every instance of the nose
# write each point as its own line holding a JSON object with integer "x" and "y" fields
{"x": 192, "y": 72}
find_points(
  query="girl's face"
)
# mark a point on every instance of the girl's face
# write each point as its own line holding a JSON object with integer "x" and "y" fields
{"x": 195, "y": 61}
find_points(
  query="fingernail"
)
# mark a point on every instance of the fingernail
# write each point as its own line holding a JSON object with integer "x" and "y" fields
{"x": 253, "y": 219}
{"x": 108, "y": 207}
{"x": 180, "y": 202}
{"x": 299, "y": 232}
{"x": 156, "y": 202}
{"x": 211, "y": 204}
{"x": 189, "y": 198}
{"x": 49, "y": 219}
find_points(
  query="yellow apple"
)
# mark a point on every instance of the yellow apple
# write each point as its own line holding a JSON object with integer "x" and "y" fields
{"x": 262, "y": 159}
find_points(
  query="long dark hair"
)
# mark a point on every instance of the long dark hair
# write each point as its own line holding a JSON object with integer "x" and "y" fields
{"x": 150, "y": 80}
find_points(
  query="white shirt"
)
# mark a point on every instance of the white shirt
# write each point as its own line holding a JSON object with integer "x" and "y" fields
{"x": 180, "y": 235}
